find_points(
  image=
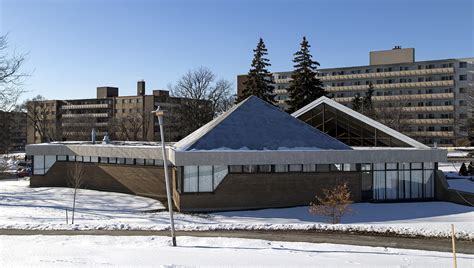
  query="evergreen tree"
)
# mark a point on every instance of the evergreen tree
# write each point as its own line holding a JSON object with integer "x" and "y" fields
{"x": 259, "y": 81}
{"x": 304, "y": 87}
{"x": 368, "y": 98}
{"x": 463, "y": 170}
{"x": 357, "y": 102}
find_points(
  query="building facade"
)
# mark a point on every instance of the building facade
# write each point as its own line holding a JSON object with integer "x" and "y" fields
{"x": 432, "y": 98}
{"x": 120, "y": 117}
{"x": 12, "y": 131}
{"x": 252, "y": 156}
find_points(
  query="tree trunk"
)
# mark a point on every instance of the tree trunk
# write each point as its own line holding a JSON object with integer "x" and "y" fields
{"x": 73, "y": 205}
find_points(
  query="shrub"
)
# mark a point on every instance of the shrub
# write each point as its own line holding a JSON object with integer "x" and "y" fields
{"x": 334, "y": 204}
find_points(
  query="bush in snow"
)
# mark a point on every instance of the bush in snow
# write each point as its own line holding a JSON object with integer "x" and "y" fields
{"x": 334, "y": 204}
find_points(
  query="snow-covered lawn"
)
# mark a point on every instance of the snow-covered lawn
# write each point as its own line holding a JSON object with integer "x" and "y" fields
{"x": 22, "y": 207}
{"x": 155, "y": 251}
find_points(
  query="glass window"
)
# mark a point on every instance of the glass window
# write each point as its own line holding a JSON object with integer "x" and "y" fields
{"x": 205, "y": 179}
{"x": 121, "y": 161}
{"x": 392, "y": 184}
{"x": 62, "y": 157}
{"x": 150, "y": 162}
{"x": 335, "y": 167}
{"x": 112, "y": 160}
{"x": 404, "y": 181}
{"x": 416, "y": 183}
{"x": 139, "y": 162}
{"x": 415, "y": 165}
{"x": 219, "y": 174}
{"x": 296, "y": 168}
{"x": 250, "y": 168}
{"x": 86, "y": 159}
{"x": 379, "y": 185}
{"x": 71, "y": 158}
{"x": 159, "y": 162}
{"x": 79, "y": 158}
{"x": 235, "y": 169}
{"x": 103, "y": 160}
{"x": 281, "y": 168}
{"x": 391, "y": 165}
{"x": 94, "y": 159}
{"x": 38, "y": 164}
{"x": 366, "y": 167}
{"x": 130, "y": 161}
{"x": 309, "y": 168}
{"x": 428, "y": 183}
{"x": 265, "y": 168}
{"x": 190, "y": 179}
{"x": 346, "y": 167}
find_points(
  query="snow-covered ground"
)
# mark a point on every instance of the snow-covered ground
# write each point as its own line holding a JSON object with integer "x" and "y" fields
{"x": 22, "y": 207}
{"x": 464, "y": 185}
{"x": 155, "y": 251}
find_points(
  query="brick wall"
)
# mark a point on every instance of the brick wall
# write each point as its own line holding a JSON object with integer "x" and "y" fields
{"x": 251, "y": 191}
{"x": 139, "y": 180}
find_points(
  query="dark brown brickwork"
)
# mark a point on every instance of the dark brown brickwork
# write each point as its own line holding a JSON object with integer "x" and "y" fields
{"x": 251, "y": 191}
{"x": 139, "y": 180}
{"x": 237, "y": 191}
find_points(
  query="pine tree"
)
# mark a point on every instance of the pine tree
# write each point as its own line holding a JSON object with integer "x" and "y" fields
{"x": 368, "y": 98}
{"x": 357, "y": 103}
{"x": 259, "y": 81}
{"x": 304, "y": 87}
{"x": 463, "y": 170}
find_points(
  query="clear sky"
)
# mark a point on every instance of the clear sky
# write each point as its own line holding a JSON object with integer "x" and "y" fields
{"x": 75, "y": 46}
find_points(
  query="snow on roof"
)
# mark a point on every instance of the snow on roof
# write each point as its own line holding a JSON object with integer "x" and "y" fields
{"x": 362, "y": 118}
{"x": 257, "y": 125}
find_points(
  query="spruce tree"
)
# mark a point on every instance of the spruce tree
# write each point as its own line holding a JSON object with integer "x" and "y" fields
{"x": 259, "y": 79}
{"x": 304, "y": 87}
{"x": 367, "y": 103}
{"x": 357, "y": 103}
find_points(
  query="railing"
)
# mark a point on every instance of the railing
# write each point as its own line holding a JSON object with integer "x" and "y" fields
{"x": 85, "y": 106}
{"x": 429, "y": 121}
{"x": 392, "y": 86}
{"x": 85, "y": 115}
{"x": 429, "y": 133}
{"x": 388, "y": 74}
{"x": 435, "y": 96}
{"x": 445, "y": 108}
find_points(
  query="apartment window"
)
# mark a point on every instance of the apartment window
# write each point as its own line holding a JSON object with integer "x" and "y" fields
{"x": 448, "y": 90}
{"x": 463, "y": 77}
{"x": 463, "y": 116}
{"x": 265, "y": 168}
{"x": 462, "y": 103}
{"x": 421, "y": 79}
{"x": 379, "y": 70}
{"x": 462, "y": 64}
{"x": 462, "y": 90}
{"x": 296, "y": 168}
{"x": 447, "y": 103}
{"x": 367, "y": 71}
{"x": 249, "y": 168}
{"x": 379, "y": 81}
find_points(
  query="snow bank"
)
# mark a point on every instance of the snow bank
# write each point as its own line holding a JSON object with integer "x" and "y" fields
{"x": 27, "y": 208}
{"x": 155, "y": 251}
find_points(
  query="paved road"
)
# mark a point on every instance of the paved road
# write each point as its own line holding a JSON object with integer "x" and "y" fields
{"x": 430, "y": 244}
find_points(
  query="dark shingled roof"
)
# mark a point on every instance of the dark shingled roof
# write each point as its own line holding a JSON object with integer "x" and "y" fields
{"x": 256, "y": 125}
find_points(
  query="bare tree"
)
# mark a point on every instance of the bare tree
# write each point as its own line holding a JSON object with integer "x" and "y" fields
{"x": 41, "y": 117}
{"x": 205, "y": 97}
{"x": 75, "y": 174}
{"x": 465, "y": 135}
{"x": 391, "y": 115}
{"x": 133, "y": 127}
{"x": 11, "y": 77}
{"x": 334, "y": 204}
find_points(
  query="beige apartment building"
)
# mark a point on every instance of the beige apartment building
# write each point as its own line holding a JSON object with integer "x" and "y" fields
{"x": 121, "y": 117}
{"x": 433, "y": 97}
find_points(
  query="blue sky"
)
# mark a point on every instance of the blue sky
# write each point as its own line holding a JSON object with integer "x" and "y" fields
{"x": 75, "y": 46}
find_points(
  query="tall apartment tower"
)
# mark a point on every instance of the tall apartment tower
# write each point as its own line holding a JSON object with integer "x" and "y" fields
{"x": 431, "y": 95}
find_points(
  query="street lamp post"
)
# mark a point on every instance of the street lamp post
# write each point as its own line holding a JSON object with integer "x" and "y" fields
{"x": 159, "y": 113}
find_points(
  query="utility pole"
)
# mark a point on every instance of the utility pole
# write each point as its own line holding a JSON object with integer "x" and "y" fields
{"x": 159, "y": 113}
